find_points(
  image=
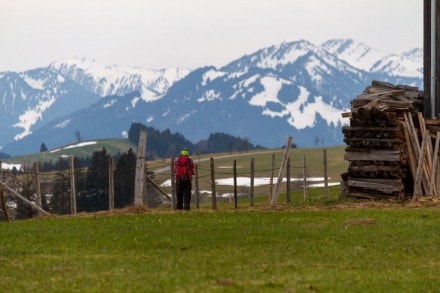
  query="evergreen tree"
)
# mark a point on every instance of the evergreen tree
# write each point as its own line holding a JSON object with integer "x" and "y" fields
{"x": 43, "y": 148}
{"x": 160, "y": 144}
{"x": 94, "y": 196}
{"x": 60, "y": 202}
{"x": 124, "y": 179}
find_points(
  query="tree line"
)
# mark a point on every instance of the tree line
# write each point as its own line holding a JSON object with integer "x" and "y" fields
{"x": 165, "y": 144}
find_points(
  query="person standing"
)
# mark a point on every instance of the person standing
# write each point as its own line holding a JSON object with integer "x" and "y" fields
{"x": 183, "y": 170}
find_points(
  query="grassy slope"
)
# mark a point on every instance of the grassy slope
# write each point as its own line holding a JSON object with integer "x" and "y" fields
{"x": 112, "y": 146}
{"x": 254, "y": 250}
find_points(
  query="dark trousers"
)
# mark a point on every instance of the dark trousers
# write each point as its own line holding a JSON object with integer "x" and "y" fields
{"x": 183, "y": 191}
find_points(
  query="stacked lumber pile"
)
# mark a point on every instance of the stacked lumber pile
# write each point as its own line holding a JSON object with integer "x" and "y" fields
{"x": 386, "y": 158}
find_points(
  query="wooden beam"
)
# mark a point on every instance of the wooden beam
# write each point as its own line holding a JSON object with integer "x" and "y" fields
{"x": 382, "y": 185}
{"x": 23, "y": 199}
{"x": 373, "y": 155}
{"x": 286, "y": 156}
{"x": 434, "y": 165}
{"x": 158, "y": 187}
{"x": 418, "y": 180}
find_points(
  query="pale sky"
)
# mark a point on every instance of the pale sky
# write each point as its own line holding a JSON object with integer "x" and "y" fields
{"x": 155, "y": 34}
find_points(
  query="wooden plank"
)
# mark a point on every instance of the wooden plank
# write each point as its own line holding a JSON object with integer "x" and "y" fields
{"x": 388, "y": 186}
{"x": 375, "y": 168}
{"x": 429, "y": 145}
{"x": 371, "y": 196}
{"x": 416, "y": 148}
{"x": 432, "y": 122}
{"x": 372, "y": 139}
{"x": 419, "y": 174}
{"x": 374, "y": 155}
{"x": 410, "y": 151}
{"x": 364, "y": 129}
{"x": 432, "y": 190}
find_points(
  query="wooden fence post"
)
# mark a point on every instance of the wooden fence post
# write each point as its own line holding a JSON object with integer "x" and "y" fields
{"x": 2, "y": 197}
{"x": 235, "y": 184}
{"x": 111, "y": 184}
{"x": 288, "y": 193}
{"x": 252, "y": 181}
{"x": 213, "y": 195}
{"x": 196, "y": 181}
{"x": 38, "y": 186}
{"x": 324, "y": 154}
{"x": 305, "y": 177}
{"x": 286, "y": 156}
{"x": 72, "y": 186}
{"x": 271, "y": 177}
{"x": 4, "y": 207}
{"x": 140, "y": 170}
{"x": 173, "y": 184}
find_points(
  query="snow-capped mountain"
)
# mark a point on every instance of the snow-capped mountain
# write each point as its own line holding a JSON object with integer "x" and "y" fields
{"x": 292, "y": 89}
{"x": 118, "y": 80}
{"x": 32, "y": 98}
{"x": 359, "y": 55}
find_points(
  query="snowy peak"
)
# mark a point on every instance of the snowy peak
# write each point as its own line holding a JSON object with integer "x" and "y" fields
{"x": 415, "y": 55}
{"x": 357, "y": 54}
{"x": 272, "y": 57}
{"x": 118, "y": 80}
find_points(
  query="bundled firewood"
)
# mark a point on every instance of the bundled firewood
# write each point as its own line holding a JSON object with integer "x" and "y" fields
{"x": 377, "y": 142}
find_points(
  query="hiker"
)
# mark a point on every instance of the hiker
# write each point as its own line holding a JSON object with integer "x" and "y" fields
{"x": 183, "y": 169}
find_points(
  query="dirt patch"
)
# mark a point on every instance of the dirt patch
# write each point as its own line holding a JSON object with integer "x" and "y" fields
{"x": 424, "y": 201}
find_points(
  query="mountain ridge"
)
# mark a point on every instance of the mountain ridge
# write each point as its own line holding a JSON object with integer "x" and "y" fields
{"x": 293, "y": 88}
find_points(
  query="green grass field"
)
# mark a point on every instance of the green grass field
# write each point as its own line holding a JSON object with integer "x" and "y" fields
{"x": 324, "y": 245}
{"x": 321, "y": 244}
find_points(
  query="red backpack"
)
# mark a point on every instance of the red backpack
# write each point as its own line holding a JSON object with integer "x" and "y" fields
{"x": 183, "y": 168}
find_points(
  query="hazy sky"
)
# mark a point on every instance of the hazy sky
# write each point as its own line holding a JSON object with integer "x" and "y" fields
{"x": 192, "y": 33}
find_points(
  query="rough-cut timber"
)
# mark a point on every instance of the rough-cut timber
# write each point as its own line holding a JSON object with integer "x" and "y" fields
{"x": 377, "y": 142}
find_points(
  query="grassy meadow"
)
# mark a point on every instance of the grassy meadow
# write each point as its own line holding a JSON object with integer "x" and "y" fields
{"x": 324, "y": 244}
{"x": 320, "y": 244}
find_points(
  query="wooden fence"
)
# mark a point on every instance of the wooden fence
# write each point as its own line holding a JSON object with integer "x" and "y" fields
{"x": 275, "y": 184}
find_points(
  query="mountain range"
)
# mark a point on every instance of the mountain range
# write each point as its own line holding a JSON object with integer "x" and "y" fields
{"x": 295, "y": 88}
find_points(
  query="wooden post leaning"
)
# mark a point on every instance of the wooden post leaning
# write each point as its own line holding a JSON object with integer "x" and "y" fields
{"x": 286, "y": 156}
